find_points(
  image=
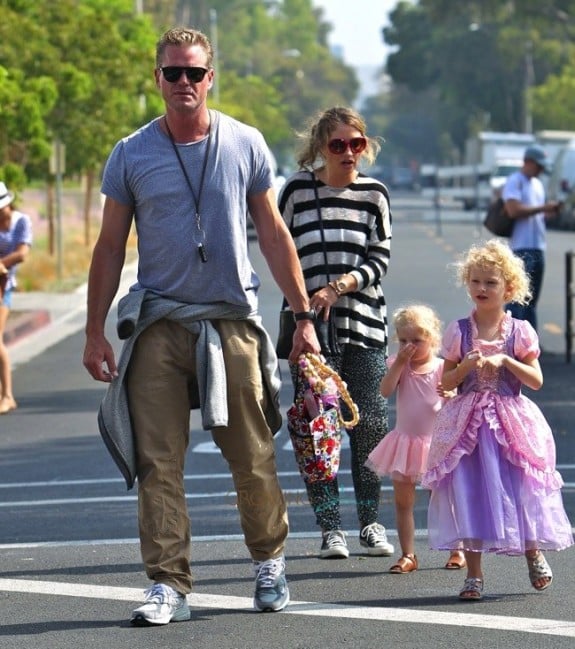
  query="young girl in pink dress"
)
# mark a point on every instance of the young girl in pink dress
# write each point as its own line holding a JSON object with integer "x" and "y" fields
{"x": 491, "y": 464}
{"x": 415, "y": 373}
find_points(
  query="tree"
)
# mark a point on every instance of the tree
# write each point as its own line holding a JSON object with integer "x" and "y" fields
{"x": 479, "y": 62}
{"x": 284, "y": 44}
{"x": 96, "y": 58}
{"x": 554, "y": 101}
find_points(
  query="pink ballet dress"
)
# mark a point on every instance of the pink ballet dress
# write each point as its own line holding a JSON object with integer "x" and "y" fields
{"x": 491, "y": 465}
{"x": 402, "y": 453}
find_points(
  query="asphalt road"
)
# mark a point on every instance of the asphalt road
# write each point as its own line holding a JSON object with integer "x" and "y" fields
{"x": 71, "y": 570}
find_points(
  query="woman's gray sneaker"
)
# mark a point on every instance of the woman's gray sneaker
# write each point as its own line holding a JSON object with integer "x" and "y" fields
{"x": 374, "y": 538}
{"x": 333, "y": 545}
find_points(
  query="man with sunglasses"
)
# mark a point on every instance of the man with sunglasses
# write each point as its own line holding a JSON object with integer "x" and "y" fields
{"x": 192, "y": 334}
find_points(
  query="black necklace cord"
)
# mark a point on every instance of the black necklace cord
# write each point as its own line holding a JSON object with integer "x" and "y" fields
{"x": 197, "y": 199}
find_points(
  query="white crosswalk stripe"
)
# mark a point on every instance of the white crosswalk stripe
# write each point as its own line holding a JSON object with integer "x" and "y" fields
{"x": 561, "y": 628}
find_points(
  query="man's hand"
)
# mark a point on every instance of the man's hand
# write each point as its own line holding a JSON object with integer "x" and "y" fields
{"x": 99, "y": 359}
{"x": 552, "y": 209}
{"x": 304, "y": 340}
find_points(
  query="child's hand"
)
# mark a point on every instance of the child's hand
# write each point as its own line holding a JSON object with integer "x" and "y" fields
{"x": 473, "y": 360}
{"x": 405, "y": 352}
{"x": 497, "y": 360}
{"x": 445, "y": 394}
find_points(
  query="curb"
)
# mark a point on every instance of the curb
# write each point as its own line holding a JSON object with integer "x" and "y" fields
{"x": 22, "y": 324}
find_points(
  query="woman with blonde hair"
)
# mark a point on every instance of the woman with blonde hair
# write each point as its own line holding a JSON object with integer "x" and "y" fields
{"x": 340, "y": 221}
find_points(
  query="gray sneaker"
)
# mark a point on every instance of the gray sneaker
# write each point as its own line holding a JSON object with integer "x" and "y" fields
{"x": 374, "y": 538}
{"x": 163, "y": 604}
{"x": 333, "y": 545}
{"x": 272, "y": 592}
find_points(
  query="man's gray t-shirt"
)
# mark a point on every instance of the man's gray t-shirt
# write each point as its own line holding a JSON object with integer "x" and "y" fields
{"x": 143, "y": 172}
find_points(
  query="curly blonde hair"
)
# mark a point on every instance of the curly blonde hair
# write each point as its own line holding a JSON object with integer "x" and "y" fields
{"x": 320, "y": 128}
{"x": 420, "y": 317}
{"x": 495, "y": 254}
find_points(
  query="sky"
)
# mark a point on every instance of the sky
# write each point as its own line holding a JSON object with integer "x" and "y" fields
{"x": 357, "y": 28}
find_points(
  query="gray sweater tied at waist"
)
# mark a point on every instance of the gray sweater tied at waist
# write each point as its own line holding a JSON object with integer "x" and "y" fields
{"x": 138, "y": 310}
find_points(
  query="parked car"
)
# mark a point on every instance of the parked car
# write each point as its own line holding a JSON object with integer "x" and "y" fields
{"x": 561, "y": 187}
{"x": 402, "y": 178}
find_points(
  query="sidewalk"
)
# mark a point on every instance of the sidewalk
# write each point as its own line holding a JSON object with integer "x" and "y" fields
{"x": 39, "y": 320}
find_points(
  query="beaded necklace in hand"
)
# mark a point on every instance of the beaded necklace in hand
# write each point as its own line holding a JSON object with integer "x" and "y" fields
{"x": 316, "y": 372}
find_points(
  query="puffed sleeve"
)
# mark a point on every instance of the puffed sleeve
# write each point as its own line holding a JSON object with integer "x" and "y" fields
{"x": 451, "y": 343}
{"x": 526, "y": 341}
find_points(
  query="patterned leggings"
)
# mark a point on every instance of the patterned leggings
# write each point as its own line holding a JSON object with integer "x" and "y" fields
{"x": 362, "y": 370}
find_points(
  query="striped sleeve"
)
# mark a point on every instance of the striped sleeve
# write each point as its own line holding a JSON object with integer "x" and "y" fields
{"x": 356, "y": 222}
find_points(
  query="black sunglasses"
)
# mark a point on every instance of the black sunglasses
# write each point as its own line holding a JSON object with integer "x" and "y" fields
{"x": 338, "y": 145}
{"x": 173, "y": 73}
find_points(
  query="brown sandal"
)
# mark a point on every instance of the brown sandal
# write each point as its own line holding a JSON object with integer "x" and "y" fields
{"x": 456, "y": 560}
{"x": 406, "y": 563}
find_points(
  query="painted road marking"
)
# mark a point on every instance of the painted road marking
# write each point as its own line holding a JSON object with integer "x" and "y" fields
{"x": 42, "y": 484}
{"x": 563, "y": 628}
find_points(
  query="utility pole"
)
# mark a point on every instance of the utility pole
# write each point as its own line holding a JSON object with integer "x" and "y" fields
{"x": 529, "y": 82}
{"x": 216, "y": 54}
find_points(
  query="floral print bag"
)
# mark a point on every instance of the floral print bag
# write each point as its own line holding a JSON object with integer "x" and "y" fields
{"x": 314, "y": 420}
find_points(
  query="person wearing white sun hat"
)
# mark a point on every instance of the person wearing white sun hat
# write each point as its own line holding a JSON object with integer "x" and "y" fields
{"x": 15, "y": 242}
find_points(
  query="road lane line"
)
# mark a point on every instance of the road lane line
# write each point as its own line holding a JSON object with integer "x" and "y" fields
{"x": 188, "y": 478}
{"x": 563, "y": 628}
{"x": 223, "y": 495}
{"x": 208, "y": 538}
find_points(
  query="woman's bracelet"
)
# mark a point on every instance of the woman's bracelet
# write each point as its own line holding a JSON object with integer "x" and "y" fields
{"x": 334, "y": 288}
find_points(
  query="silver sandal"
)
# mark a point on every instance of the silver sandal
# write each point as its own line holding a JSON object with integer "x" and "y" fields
{"x": 539, "y": 569}
{"x": 472, "y": 590}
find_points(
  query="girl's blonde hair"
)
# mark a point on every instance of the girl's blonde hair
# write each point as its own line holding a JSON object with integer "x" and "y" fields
{"x": 496, "y": 254}
{"x": 320, "y": 128}
{"x": 423, "y": 318}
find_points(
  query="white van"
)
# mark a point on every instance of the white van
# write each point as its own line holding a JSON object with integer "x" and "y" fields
{"x": 561, "y": 187}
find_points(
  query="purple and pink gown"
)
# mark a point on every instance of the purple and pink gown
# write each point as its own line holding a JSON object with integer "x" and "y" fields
{"x": 491, "y": 464}
{"x": 402, "y": 453}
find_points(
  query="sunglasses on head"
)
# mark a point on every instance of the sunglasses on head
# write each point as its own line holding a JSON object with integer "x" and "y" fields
{"x": 173, "y": 73}
{"x": 338, "y": 145}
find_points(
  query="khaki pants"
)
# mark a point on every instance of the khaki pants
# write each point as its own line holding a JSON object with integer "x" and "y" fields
{"x": 162, "y": 375}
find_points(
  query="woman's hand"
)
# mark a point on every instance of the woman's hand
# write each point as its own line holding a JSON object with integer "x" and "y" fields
{"x": 323, "y": 300}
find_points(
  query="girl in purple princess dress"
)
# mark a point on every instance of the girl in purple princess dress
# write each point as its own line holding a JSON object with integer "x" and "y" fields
{"x": 415, "y": 374}
{"x": 491, "y": 465}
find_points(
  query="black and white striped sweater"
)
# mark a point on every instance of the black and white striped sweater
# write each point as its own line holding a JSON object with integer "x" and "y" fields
{"x": 357, "y": 227}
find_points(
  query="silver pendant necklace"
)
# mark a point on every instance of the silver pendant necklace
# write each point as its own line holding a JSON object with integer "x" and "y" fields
{"x": 197, "y": 199}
